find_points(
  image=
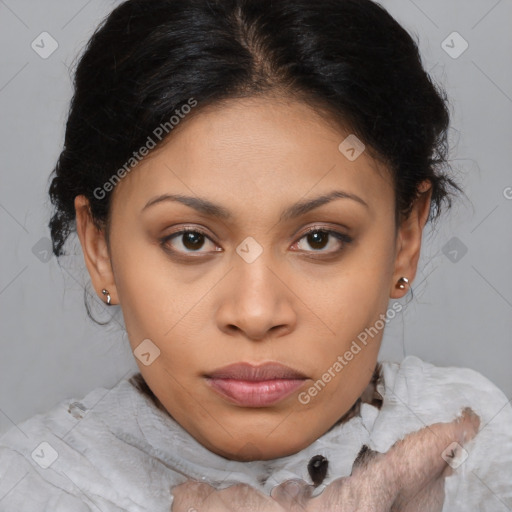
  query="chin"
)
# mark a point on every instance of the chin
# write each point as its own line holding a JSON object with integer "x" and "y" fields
{"x": 249, "y": 449}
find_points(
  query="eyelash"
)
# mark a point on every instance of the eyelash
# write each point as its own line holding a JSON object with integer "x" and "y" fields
{"x": 345, "y": 239}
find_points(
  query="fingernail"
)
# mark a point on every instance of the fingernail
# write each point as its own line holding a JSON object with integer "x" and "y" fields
{"x": 293, "y": 489}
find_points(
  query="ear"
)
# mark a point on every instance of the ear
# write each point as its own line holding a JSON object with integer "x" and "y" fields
{"x": 95, "y": 250}
{"x": 409, "y": 240}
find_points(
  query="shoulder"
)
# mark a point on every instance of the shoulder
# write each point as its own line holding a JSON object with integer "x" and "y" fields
{"x": 33, "y": 456}
{"x": 25, "y": 489}
{"x": 418, "y": 393}
{"x": 68, "y": 458}
{"x": 427, "y": 386}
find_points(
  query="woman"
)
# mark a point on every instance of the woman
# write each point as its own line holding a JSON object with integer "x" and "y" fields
{"x": 249, "y": 181}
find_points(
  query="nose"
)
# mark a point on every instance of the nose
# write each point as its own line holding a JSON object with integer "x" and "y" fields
{"x": 257, "y": 301}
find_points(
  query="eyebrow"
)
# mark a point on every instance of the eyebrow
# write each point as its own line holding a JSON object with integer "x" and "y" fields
{"x": 206, "y": 207}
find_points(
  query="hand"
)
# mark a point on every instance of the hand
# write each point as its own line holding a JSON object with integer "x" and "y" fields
{"x": 408, "y": 478}
{"x": 193, "y": 496}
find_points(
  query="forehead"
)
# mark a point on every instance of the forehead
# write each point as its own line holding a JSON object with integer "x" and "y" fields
{"x": 257, "y": 150}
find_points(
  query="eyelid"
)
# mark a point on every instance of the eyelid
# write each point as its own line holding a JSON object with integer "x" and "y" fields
{"x": 319, "y": 227}
{"x": 188, "y": 229}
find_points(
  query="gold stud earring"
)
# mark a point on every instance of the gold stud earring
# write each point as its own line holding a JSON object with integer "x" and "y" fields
{"x": 105, "y": 292}
{"x": 402, "y": 282}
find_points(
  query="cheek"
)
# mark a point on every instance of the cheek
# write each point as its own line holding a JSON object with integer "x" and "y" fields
{"x": 358, "y": 292}
{"x": 352, "y": 305}
{"x": 148, "y": 297}
{"x": 161, "y": 304}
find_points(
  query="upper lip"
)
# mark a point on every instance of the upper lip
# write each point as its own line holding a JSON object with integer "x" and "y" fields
{"x": 248, "y": 371}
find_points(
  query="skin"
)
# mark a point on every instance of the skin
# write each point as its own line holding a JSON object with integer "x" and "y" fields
{"x": 299, "y": 303}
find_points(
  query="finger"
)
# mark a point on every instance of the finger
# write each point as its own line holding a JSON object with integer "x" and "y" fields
{"x": 470, "y": 423}
{"x": 409, "y": 477}
{"x": 292, "y": 494}
{"x": 189, "y": 495}
{"x": 240, "y": 498}
{"x": 465, "y": 429}
{"x": 347, "y": 494}
{"x": 429, "y": 455}
{"x": 430, "y": 498}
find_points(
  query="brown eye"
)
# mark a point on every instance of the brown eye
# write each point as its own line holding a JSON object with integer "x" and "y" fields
{"x": 192, "y": 240}
{"x": 187, "y": 241}
{"x": 316, "y": 240}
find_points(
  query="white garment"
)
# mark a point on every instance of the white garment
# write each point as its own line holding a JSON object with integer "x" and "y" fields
{"x": 125, "y": 453}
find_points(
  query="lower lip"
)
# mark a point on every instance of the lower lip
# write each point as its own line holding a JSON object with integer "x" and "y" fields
{"x": 255, "y": 393}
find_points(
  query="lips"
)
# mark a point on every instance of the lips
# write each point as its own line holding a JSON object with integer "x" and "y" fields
{"x": 255, "y": 386}
{"x": 246, "y": 371}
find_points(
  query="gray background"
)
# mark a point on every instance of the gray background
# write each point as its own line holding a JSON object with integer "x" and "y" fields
{"x": 461, "y": 313}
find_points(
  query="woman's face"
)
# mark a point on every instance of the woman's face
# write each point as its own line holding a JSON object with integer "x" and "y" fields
{"x": 252, "y": 285}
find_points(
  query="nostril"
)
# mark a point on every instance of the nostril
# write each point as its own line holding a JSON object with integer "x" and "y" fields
{"x": 317, "y": 469}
